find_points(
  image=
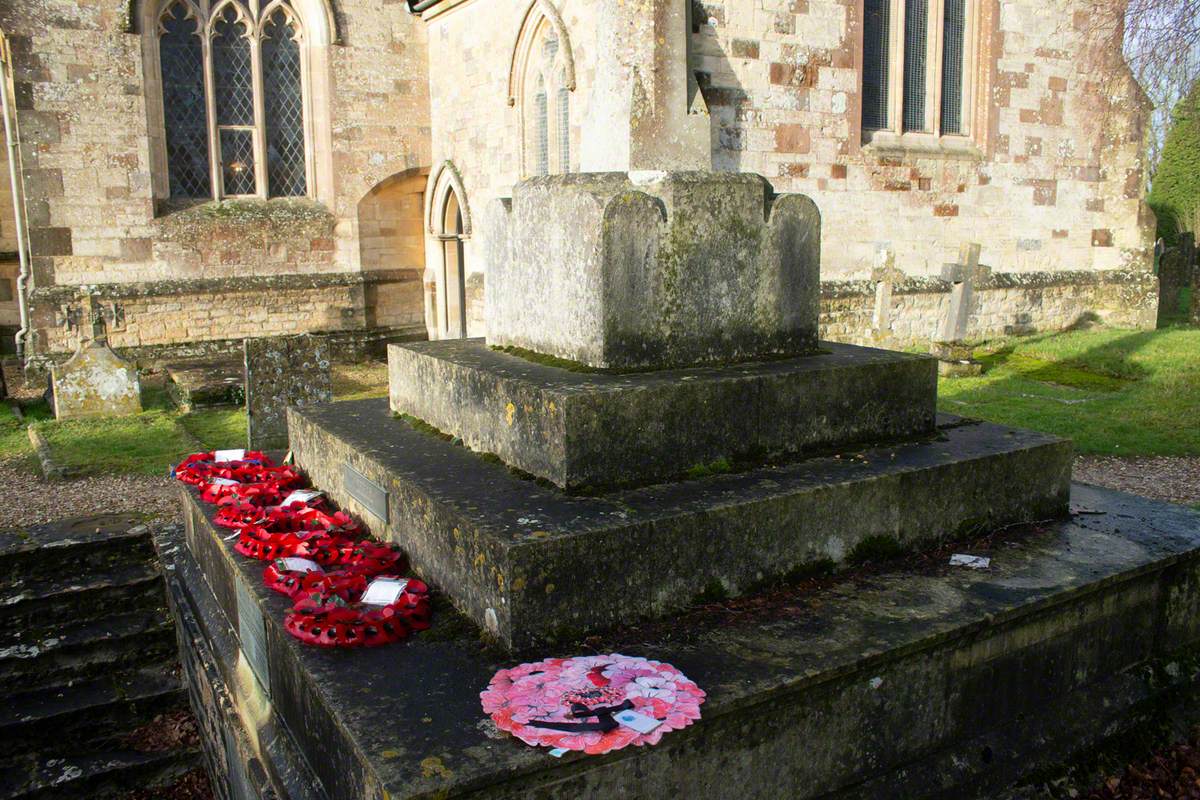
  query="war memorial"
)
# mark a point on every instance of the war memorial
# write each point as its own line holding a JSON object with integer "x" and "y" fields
{"x": 660, "y": 458}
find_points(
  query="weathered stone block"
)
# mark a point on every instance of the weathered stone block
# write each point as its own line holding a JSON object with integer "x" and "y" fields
{"x": 95, "y": 382}
{"x": 903, "y": 678}
{"x": 658, "y": 269}
{"x": 512, "y": 554}
{"x": 280, "y": 372}
{"x": 579, "y": 429}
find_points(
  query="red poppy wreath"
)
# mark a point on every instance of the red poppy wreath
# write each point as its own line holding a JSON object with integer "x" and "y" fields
{"x": 592, "y": 703}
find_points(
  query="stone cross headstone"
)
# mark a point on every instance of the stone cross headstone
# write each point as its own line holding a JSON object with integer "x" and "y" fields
{"x": 282, "y": 371}
{"x": 955, "y": 357}
{"x": 886, "y": 276}
{"x": 95, "y": 381}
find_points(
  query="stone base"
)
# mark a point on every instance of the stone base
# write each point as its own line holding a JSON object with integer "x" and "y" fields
{"x": 588, "y": 429}
{"x": 532, "y": 564}
{"x": 922, "y": 680}
{"x": 959, "y": 369}
{"x": 204, "y": 384}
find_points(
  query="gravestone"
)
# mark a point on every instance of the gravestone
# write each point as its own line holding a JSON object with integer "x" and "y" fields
{"x": 956, "y": 358}
{"x": 886, "y": 276}
{"x": 95, "y": 381}
{"x": 280, "y": 372}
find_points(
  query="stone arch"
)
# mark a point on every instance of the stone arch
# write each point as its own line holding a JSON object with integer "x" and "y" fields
{"x": 448, "y": 226}
{"x": 391, "y": 241}
{"x": 537, "y": 12}
{"x": 319, "y": 18}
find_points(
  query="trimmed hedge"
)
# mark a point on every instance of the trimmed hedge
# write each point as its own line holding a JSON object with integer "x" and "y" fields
{"x": 1175, "y": 194}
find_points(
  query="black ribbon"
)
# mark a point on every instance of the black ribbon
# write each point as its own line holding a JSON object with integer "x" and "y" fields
{"x": 603, "y": 714}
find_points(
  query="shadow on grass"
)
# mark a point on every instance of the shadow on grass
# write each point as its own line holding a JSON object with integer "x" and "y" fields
{"x": 1112, "y": 392}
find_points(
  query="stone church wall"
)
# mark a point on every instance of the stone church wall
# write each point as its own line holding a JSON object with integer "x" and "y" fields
{"x": 94, "y": 220}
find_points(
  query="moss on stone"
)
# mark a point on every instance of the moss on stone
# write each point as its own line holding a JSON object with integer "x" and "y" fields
{"x": 875, "y": 549}
{"x": 719, "y": 466}
{"x": 262, "y": 220}
{"x": 713, "y": 592}
{"x": 424, "y": 427}
{"x": 547, "y": 360}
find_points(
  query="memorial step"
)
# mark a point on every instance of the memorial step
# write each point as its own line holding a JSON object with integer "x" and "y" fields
{"x": 533, "y": 565}
{"x": 86, "y": 544}
{"x": 87, "y": 715}
{"x": 95, "y": 776}
{"x": 76, "y": 650}
{"x": 912, "y": 678}
{"x": 31, "y": 607}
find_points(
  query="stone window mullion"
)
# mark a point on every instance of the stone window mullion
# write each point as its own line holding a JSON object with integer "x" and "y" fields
{"x": 933, "y": 71}
{"x": 210, "y": 103}
{"x": 896, "y": 73}
{"x": 260, "y": 114}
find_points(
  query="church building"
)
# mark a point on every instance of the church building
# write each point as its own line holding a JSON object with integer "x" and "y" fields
{"x": 219, "y": 169}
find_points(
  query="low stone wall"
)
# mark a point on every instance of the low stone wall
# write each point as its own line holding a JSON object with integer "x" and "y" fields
{"x": 1005, "y": 304}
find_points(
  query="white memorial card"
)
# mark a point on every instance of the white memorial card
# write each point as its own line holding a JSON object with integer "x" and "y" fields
{"x": 300, "y": 496}
{"x": 229, "y": 455}
{"x": 225, "y": 482}
{"x": 293, "y": 564}
{"x": 384, "y": 591}
{"x": 973, "y": 562}
{"x": 635, "y": 721}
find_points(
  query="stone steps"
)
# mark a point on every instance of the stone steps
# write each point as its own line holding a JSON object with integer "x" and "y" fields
{"x": 34, "y": 607}
{"x": 98, "y": 775}
{"x": 85, "y": 649}
{"x": 87, "y": 657}
{"x": 88, "y": 714}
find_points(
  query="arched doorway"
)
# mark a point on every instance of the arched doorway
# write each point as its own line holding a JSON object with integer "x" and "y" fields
{"x": 452, "y": 310}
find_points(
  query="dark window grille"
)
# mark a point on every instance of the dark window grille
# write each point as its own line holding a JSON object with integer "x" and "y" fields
{"x": 181, "y": 59}
{"x": 564, "y": 127}
{"x": 233, "y": 86}
{"x": 237, "y": 160}
{"x": 952, "y": 66}
{"x": 876, "y": 52}
{"x": 284, "y": 107}
{"x": 541, "y": 120}
{"x": 916, "y": 37}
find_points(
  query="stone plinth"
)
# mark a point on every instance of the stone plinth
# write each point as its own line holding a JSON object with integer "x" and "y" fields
{"x": 579, "y": 429}
{"x": 533, "y": 564}
{"x": 879, "y": 685}
{"x": 280, "y": 372}
{"x": 651, "y": 270}
{"x": 95, "y": 382}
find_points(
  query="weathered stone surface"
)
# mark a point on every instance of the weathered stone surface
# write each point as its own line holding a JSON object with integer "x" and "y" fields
{"x": 95, "y": 382}
{"x": 281, "y": 372}
{"x": 657, "y": 269}
{"x": 892, "y": 684}
{"x": 587, "y": 429}
{"x": 511, "y": 553}
{"x": 198, "y": 384}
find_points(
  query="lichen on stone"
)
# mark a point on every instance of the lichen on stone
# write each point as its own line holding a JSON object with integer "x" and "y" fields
{"x": 252, "y": 222}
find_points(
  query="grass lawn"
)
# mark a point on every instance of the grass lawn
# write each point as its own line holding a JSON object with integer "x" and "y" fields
{"x": 159, "y": 437}
{"x": 1114, "y": 392}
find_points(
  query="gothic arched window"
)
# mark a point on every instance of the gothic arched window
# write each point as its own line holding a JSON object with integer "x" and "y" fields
{"x": 546, "y": 115}
{"x": 233, "y": 99}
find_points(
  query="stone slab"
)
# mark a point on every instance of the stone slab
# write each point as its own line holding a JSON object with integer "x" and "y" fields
{"x": 95, "y": 382}
{"x": 586, "y": 429}
{"x": 282, "y": 371}
{"x": 534, "y": 565}
{"x": 918, "y": 680}
{"x": 203, "y": 384}
{"x": 655, "y": 269}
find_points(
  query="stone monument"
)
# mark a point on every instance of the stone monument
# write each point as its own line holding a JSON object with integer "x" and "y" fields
{"x": 562, "y": 486}
{"x": 956, "y": 357}
{"x": 95, "y": 381}
{"x": 663, "y": 417}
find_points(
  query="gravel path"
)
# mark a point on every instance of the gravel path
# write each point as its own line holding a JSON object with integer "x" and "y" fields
{"x": 29, "y": 500}
{"x": 1176, "y": 480}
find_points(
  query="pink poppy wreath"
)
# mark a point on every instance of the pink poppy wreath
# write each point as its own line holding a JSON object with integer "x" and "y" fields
{"x": 573, "y": 703}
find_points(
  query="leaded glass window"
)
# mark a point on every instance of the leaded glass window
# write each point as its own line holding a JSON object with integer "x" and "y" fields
{"x": 877, "y": 32}
{"x": 284, "y": 103}
{"x": 546, "y": 115}
{"x": 953, "y": 27}
{"x": 916, "y": 59}
{"x": 216, "y": 107}
{"x": 181, "y": 59}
